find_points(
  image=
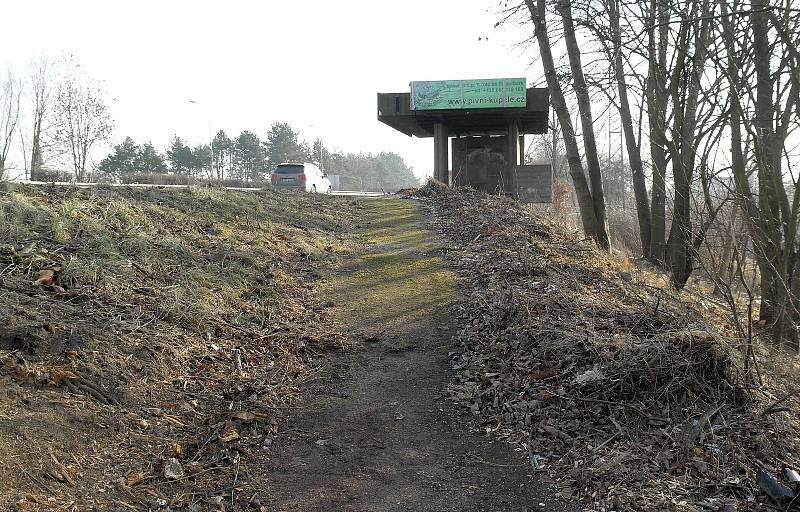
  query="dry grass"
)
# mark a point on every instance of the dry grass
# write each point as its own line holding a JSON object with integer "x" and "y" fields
{"x": 178, "y": 324}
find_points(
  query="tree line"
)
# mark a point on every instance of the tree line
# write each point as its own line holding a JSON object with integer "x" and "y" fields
{"x": 247, "y": 158}
{"x": 56, "y": 114}
{"x": 707, "y": 94}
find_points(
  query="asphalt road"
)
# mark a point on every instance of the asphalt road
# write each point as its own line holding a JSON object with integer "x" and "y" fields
{"x": 146, "y": 185}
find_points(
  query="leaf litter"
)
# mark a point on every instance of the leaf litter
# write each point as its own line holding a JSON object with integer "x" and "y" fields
{"x": 625, "y": 394}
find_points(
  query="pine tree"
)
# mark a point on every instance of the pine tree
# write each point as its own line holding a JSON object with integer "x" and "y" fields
{"x": 149, "y": 160}
{"x": 180, "y": 156}
{"x": 283, "y": 145}
{"x": 249, "y": 158}
{"x": 221, "y": 149}
{"x": 122, "y": 161}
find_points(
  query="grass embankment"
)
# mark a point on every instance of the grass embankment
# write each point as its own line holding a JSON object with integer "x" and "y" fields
{"x": 166, "y": 330}
{"x": 400, "y": 279}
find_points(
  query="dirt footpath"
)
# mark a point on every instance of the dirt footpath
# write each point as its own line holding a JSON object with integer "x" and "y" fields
{"x": 375, "y": 431}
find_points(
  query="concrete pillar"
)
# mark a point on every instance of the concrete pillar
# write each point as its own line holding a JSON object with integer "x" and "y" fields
{"x": 441, "y": 158}
{"x": 513, "y": 144}
{"x": 521, "y": 148}
{"x": 512, "y": 154}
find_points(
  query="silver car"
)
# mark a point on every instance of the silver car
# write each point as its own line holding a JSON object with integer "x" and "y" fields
{"x": 305, "y": 176}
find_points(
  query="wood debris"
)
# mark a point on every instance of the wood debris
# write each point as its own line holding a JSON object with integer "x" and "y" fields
{"x": 629, "y": 396}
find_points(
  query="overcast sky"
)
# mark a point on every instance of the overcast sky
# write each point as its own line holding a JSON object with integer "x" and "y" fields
{"x": 316, "y": 64}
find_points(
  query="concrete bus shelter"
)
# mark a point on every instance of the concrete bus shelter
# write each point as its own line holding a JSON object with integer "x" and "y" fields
{"x": 487, "y": 143}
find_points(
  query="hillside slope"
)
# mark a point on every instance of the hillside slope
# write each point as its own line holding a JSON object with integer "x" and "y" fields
{"x": 147, "y": 336}
{"x": 626, "y": 394}
{"x": 151, "y": 343}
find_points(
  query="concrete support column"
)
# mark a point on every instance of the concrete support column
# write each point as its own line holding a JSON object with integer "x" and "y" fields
{"x": 441, "y": 160}
{"x": 513, "y": 144}
{"x": 512, "y": 153}
{"x": 521, "y": 148}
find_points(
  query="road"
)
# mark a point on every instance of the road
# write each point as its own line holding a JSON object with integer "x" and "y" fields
{"x": 354, "y": 193}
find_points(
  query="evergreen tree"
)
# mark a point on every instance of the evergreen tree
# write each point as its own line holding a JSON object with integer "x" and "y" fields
{"x": 180, "y": 156}
{"x": 149, "y": 160}
{"x": 121, "y": 161}
{"x": 201, "y": 161}
{"x": 249, "y": 158}
{"x": 222, "y": 149}
{"x": 320, "y": 155}
{"x": 283, "y": 145}
{"x": 384, "y": 171}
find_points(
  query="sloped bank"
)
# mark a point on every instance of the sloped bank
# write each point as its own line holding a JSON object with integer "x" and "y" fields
{"x": 150, "y": 339}
{"x": 626, "y": 395}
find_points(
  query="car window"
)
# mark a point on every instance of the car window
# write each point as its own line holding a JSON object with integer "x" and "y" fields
{"x": 289, "y": 169}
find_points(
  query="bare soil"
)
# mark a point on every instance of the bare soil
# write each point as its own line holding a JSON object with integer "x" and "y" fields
{"x": 376, "y": 432}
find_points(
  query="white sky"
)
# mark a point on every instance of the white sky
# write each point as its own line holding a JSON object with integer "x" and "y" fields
{"x": 317, "y": 64}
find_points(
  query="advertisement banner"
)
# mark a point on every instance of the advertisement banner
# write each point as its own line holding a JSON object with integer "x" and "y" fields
{"x": 468, "y": 94}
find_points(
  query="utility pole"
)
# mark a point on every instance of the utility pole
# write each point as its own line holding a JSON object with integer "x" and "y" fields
{"x": 321, "y": 163}
{"x": 210, "y": 145}
{"x": 321, "y": 152}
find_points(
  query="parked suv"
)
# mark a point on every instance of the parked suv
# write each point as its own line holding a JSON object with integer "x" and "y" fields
{"x": 305, "y": 176}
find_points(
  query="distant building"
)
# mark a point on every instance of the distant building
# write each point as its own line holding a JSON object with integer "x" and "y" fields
{"x": 335, "y": 181}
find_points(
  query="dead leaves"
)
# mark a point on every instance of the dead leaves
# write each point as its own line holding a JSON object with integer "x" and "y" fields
{"x": 229, "y": 434}
{"x": 247, "y": 416}
{"x": 45, "y": 277}
{"x": 625, "y": 405}
{"x": 537, "y": 375}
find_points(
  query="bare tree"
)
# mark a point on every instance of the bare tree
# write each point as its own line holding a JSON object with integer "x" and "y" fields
{"x": 594, "y": 225}
{"x": 604, "y": 24}
{"x": 40, "y": 82}
{"x": 10, "y": 90}
{"x": 587, "y": 123}
{"x": 700, "y": 72}
{"x": 81, "y": 120}
{"x": 684, "y": 90}
{"x": 759, "y": 126}
{"x": 23, "y": 144}
{"x": 656, "y": 95}
{"x": 681, "y": 104}
{"x": 626, "y": 117}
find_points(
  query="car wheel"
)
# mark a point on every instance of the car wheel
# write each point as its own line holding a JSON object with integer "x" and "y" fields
{"x": 313, "y": 189}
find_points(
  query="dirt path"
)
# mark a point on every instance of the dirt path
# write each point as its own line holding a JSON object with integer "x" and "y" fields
{"x": 376, "y": 433}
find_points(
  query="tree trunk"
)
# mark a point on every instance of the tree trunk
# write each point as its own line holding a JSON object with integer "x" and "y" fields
{"x": 771, "y": 194}
{"x": 657, "y": 98}
{"x": 634, "y": 154}
{"x": 587, "y": 124}
{"x": 591, "y": 226}
{"x": 772, "y": 222}
{"x": 685, "y": 91}
{"x": 36, "y": 151}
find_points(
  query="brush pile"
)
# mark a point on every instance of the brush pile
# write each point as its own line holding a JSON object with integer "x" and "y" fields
{"x": 149, "y": 340}
{"x": 624, "y": 394}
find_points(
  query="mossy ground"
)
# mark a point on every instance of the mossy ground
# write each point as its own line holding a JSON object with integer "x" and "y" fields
{"x": 397, "y": 281}
{"x": 376, "y": 431}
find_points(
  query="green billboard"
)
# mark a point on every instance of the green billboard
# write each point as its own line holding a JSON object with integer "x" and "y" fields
{"x": 468, "y": 94}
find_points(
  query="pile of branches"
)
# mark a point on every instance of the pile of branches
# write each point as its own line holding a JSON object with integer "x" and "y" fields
{"x": 624, "y": 393}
